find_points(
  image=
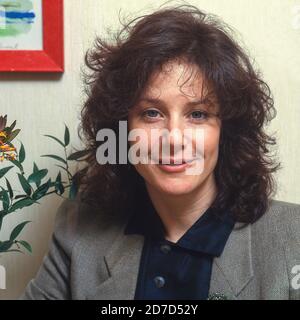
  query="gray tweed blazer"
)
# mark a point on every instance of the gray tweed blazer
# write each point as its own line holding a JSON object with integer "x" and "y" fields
{"x": 91, "y": 258}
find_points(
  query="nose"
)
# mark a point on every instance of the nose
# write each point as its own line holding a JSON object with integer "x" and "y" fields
{"x": 175, "y": 127}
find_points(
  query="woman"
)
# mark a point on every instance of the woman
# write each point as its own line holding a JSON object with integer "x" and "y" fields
{"x": 149, "y": 230}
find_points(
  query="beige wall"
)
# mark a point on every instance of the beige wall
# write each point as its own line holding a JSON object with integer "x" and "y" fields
{"x": 41, "y": 104}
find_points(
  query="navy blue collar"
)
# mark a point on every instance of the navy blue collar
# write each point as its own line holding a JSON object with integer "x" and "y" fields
{"x": 208, "y": 234}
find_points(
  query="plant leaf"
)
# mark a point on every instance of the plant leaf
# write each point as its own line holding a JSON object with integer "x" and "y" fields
{"x": 25, "y": 185}
{"x": 59, "y": 188}
{"x": 78, "y": 154}
{"x": 54, "y": 138}
{"x": 35, "y": 168}
{"x": 67, "y": 136}
{"x": 12, "y": 126}
{"x": 26, "y": 245}
{"x": 55, "y": 157}
{"x": 5, "y": 199}
{"x": 21, "y": 204}
{"x": 9, "y": 188}
{"x": 58, "y": 178}
{"x": 3, "y": 121}
{"x": 37, "y": 176}
{"x": 22, "y": 154}
{"x": 17, "y": 230}
{"x": 5, "y": 245}
{"x": 41, "y": 190}
{"x": 17, "y": 164}
{"x": 4, "y": 171}
{"x": 19, "y": 196}
{"x": 13, "y": 135}
{"x": 73, "y": 191}
{"x": 1, "y": 219}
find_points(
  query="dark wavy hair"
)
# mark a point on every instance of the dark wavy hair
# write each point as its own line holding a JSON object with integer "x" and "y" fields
{"x": 119, "y": 68}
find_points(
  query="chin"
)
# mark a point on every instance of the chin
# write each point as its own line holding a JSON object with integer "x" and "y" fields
{"x": 175, "y": 187}
{"x": 169, "y": 184}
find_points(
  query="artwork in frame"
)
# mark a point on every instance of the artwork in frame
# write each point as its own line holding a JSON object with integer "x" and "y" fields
{"x": 31, "y": 36}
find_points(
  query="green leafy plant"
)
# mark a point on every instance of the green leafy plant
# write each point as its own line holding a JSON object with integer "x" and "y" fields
{"x": 35, "y": 185}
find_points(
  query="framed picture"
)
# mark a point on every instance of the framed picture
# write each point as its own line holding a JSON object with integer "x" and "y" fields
{"x": 31, "y": 36}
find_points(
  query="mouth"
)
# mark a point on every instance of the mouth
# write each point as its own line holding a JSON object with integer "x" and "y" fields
{"x": 169, "y": 166}
{"x": 174, "y": 162}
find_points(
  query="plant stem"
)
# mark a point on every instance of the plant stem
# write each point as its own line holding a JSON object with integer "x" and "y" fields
{"x": 67, "y": 166}
{"x": 46, "y": 194}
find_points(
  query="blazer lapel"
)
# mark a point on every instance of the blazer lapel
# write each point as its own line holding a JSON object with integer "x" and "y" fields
{"x": 122, "y": 262}
{"x": 233, "y": 270}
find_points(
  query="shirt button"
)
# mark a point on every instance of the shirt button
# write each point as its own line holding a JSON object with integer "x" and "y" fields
{"x": 165, "y": 248}
{"x": 159, "y": 281}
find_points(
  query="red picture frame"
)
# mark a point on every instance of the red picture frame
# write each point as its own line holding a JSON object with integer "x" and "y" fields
{"x": 51, "y": 58}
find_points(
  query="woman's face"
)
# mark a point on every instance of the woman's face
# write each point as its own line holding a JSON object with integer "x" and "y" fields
{"x": 166, "y": 104}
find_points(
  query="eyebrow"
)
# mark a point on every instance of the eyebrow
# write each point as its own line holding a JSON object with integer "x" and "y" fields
{"x": 160, "y": 102}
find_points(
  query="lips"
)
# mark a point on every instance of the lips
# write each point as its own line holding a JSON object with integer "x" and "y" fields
{"x": 173, "y": 168}
{"x": 174, "y": 162}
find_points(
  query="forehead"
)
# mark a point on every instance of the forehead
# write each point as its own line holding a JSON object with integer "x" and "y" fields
{"x": 176, "y": 77}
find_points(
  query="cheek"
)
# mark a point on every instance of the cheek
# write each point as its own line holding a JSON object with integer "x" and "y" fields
{"x": 211, "y": 144}
{"x": 137, "y": 131}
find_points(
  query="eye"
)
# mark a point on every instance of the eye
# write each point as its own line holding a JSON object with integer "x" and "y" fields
{"x": 199, "y": 115}
{"x": 151, "y": 113}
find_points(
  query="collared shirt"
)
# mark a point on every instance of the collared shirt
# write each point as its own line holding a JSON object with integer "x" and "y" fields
{"x": 181, "y": 270}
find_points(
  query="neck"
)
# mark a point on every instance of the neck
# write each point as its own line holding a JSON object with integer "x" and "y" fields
{"x": 179, "y": 212}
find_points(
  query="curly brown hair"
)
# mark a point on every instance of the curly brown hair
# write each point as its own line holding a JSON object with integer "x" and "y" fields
{"x": 119, "y": 71}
